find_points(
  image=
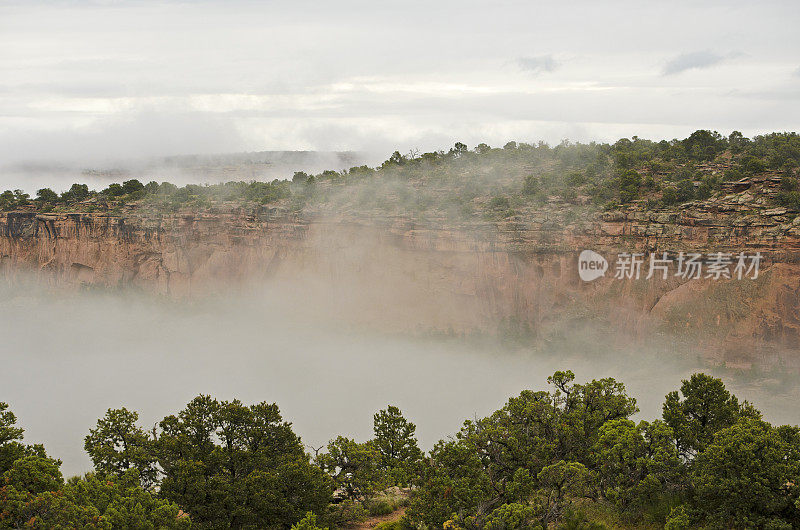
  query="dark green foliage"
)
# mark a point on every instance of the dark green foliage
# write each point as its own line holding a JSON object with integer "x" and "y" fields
{"x": 712, "y": 463}
{"x": 531, "y": 185}
{"x": 132, "y": 186}
{"x": 788, "y": 184}
{"x": 737, "y": 141}
{"x": 114, "y": 190}
{"x": 117, "y": 444}
{"x": 789, "y": 199}
{"x": 685, "y": 191}
{"x": 638, "y": 467}
{"x": 11, "y": 446}
{"x": 76, "y": 193}
{"x": 628, "y": 183}
{"x": 396, "y": 443}
{"x": 47, "y": 195}
{"x": 539, "y": 446}
{"x": 570, "y": 458}
{"x": 705, "y": 408}
{"x": 34, "y": 474}
{"x": 747, "y": 477}
{"x": 230, "y": 465}
{"x": 33, "y": 492}
{"x": 300, "y": 177}
{"x": 704, "y": 145}
{"x": 7, "y": 200}
{"x": 8, "y": 431}
{"x": 309, "y": 522}
{"x": 151, "y": 188}
{"x": 750, "y": 165}
{"x": 669, "y": 196}
{"x": 395, "y": 160}
{"x": 87, "y": 502}
{"x": 354, "y": 467}
{"x": 706, "y": 188}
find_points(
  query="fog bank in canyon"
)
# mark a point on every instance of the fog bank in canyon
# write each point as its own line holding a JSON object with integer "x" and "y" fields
{"x": 70, "y": 356}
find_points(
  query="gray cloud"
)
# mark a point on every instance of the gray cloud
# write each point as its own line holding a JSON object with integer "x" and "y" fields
{"x": 82, "y": 74}
{"x": 692, "y": 61}
{"x": 538, "y": 64}
{"x": 146, "y": 132}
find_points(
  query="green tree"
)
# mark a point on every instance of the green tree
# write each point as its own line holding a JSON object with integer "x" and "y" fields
{"x": 11, "y": 446}
{"x": 685, "y": 190}
{"x": 34, "y": 474}
{"x": 531, "y": 185}
{"x": 47, "y": 195}
{"x": 629, "y": 182}
{"x": 21, "y": 198}
{"x": 132, "y": 186}
{"x": 396, "y": 443}
{"x": 233, "y": 466}
{"x": 88, "y": 502}
{"x": 703, "y": 407}
{"x": 749, "y": 477}
{"x": 8, "y": 431}
{"x": 639, "y": 467}
{"x": 498, "y": 459}
{"x": 7, "y": 200}
{"x": 76, "y": 193}
{"x": 300, "y": 177}
{"x": 21, "y": 487}
{"x": 558, "y": 482}
{"x": 114, "y": 190}
{"x": 117, "y": 444}
{"x": 703, "y": 145}
{"x": 354, "y": 467}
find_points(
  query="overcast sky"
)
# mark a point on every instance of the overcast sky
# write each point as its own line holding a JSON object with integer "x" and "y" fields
{"x": 95, "y": 80}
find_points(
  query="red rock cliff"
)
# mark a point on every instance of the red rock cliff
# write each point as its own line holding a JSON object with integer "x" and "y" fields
{"x": 460, "y": 277}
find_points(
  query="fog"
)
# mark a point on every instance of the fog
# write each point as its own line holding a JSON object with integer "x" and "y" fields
{"x": 100, "y": 171}
{"x": 67, "y": 357}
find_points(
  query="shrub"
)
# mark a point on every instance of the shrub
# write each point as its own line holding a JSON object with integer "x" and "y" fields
{"x": 531, "y": 186}
{"x": 685, "y": 191}
{"x": 789, "y": 199}
{"x": 788, "y": 184}
{"x": 669, "y": 196}
{"x": 629, "y": 182}
{"x": 309, "y": 522}
{"x": 347, "y": 512}
{"x": 379, "y": 506}
{"x": 46, "y": 195}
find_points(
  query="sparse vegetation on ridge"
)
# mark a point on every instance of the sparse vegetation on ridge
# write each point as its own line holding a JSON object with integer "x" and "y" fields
{"x": 485, "y": 183}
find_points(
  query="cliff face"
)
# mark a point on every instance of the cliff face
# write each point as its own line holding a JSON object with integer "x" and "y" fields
{"x": 409, "y": 276}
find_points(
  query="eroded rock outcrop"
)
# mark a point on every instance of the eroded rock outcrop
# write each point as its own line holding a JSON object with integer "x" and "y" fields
{"x": 460, "y": 277}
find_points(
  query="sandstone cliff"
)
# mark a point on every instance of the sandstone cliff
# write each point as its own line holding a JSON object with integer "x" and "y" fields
{"x": 516, "y": 275}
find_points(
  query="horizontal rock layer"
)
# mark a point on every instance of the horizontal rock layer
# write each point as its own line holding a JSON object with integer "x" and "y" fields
{"x": 402, "y": 275}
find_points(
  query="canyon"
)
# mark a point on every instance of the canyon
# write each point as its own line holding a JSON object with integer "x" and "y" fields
{"x": 399, "y": 274}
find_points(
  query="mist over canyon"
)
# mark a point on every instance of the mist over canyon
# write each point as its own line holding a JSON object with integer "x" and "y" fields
{"x": 278, "y": 342}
